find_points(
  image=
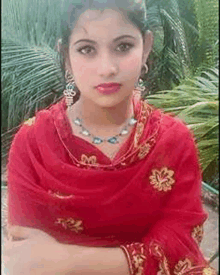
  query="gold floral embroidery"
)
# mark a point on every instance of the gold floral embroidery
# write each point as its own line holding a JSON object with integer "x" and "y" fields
{"x": 138, "y": 133}
{"x": 197, "y": 233}
{"x": 208, "y": 271}
{"x": 140, "y": 125}
{"x": 144, "y": 150}
{"x": 164, "y": 267}
{"x": 71, "y": 224}
{"x": 88, "y": 160}
{"x": 157, "y": 251}
{"x": 145, "y": 107}
{"x": 139, "y": 259}
{"x": 30, "y": 121}
{"x": 135, "y": 253}
{"x": 182, "y": 266}
{"x": 59, "y": 195}
{"x": 162, "y": 180}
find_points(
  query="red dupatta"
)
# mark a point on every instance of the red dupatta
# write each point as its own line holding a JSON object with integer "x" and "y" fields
{"x": 149, "y": 194}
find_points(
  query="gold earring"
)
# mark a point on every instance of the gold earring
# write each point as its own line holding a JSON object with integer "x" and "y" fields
{"x": 139, "y": 85}
{"x": 69, "y": 92}
{"x": 144, "y": 69}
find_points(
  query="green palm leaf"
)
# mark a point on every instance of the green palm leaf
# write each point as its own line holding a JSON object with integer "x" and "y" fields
{"x": 36, "y": 73}
{"x": 196, "y": 102}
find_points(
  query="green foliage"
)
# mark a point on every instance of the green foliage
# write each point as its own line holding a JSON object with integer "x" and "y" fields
{"x": 207, "y": 17}
{"x": 36, "y": 75}
{"x": 186, "y": 41}
{"x": 169, "y": 60}
{"x": 195, "y": 101}
{"x": 31, "y": 67}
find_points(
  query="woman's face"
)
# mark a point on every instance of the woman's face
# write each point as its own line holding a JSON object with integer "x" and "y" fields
{"x": 106, "y": 48}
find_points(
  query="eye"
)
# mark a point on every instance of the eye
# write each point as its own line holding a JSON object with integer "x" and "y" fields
{"x": 86, "y": 50}
{"x": 124, "y": 47}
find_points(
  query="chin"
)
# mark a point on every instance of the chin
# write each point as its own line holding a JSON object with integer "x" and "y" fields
{"x": 107, "y": 104}
{"x": 109, "y": 101}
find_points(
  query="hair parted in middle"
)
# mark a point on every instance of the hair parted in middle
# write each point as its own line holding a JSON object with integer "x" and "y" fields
{"x": 135, "y": 10}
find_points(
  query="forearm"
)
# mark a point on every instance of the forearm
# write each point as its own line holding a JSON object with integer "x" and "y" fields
{"x": 41, "y": 254}
{"x": 95, "y": 260}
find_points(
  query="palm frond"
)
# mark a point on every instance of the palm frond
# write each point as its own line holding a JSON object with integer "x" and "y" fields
{"x": 36, "y": 74}
{"x": 196, "y": 102}
{"x": 207, "y": 17}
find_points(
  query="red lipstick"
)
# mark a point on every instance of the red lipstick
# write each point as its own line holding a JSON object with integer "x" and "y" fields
{"x": 108, "y": 88}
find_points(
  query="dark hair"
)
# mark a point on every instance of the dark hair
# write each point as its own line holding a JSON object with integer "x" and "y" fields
{"x": 135, "y": 10}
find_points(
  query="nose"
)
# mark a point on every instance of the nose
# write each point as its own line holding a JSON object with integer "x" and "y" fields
{"x": 107, "y": 66}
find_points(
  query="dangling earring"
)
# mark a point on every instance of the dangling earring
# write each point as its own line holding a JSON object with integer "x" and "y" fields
{"x": 69, "y": 92}
{"x": 139, "y": 85}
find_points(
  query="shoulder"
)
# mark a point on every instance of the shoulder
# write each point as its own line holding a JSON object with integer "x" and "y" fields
{"x": 43, "y": 118}
{"x": 176, "y": 142}
{"x": 171, "y": 124}
{"x": 40, "y": 124}
{"x": 173, "y": 130}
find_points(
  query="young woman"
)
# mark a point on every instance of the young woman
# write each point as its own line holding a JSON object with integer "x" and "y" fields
{"x": 102, "y": 182}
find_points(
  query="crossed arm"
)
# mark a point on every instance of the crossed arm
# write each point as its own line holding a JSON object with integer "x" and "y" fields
{"x": 38, "y": 253}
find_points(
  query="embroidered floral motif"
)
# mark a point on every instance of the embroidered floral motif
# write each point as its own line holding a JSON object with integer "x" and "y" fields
{"x": 139, "y": 131}
{"x": 162, "y": 180}
{"x": 197, "y": 233}
{"x": 182, "y": 266}
{"x": 145, "y": 112}
{"x": 146, "y": 109}
{"x": 157, "y": 252}
{"x": 208, "y": 271}
{"x": 30, "y": 121}
{"x": 88, "y": 160}
{"x": 59, "y": 195}
{"x": 71, "y": 224}
{"x": 144, "y": 150}
{"x": 164, "y": 268}
{"x": 135, "y": 253}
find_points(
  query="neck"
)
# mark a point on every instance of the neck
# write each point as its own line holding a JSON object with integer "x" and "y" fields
{"x": 98, "y": 116}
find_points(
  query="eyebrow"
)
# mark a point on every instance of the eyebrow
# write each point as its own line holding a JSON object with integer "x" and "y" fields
{"x": 116, "y": 39}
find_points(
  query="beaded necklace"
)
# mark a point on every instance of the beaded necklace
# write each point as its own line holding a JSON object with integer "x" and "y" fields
{"x": 99, "y": 140}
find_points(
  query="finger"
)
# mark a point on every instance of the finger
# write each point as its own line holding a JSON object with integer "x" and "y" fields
{"x": 21, "y": 232}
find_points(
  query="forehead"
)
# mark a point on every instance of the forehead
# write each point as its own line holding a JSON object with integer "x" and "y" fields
{"x": 103, "y": 23}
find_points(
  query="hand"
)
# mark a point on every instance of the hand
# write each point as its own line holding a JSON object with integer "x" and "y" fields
{"x": 35, "y": 253}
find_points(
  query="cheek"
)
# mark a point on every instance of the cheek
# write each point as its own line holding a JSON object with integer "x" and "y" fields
{"x": 131, "y": 65}
{"x": 82, "y": 68}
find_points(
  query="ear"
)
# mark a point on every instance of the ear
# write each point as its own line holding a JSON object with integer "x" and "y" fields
{"x": 65, "y": 54}
{"x": 148, "y": 45}
{"x": 67, "y": 65}
{"x": 67, "y": 62}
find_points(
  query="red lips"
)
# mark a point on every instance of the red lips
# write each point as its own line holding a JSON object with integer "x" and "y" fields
{"x": 108, "y": 88}
{"x": 109, "y": 85}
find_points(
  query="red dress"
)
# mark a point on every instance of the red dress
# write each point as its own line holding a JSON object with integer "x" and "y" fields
{"x": 147, "y": 200}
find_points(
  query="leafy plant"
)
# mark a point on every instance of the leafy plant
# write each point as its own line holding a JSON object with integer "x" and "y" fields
{"x": 186, "y": 41}
{"x": 207, "y": 17}
{"x": 169, "y": 60}
{"x": 31, "y": 75}
{"x": 195, "y": 101}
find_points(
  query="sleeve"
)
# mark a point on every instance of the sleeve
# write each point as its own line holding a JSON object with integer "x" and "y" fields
{"x": 23, "y": 206}
{"x": 171, "y": 246}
